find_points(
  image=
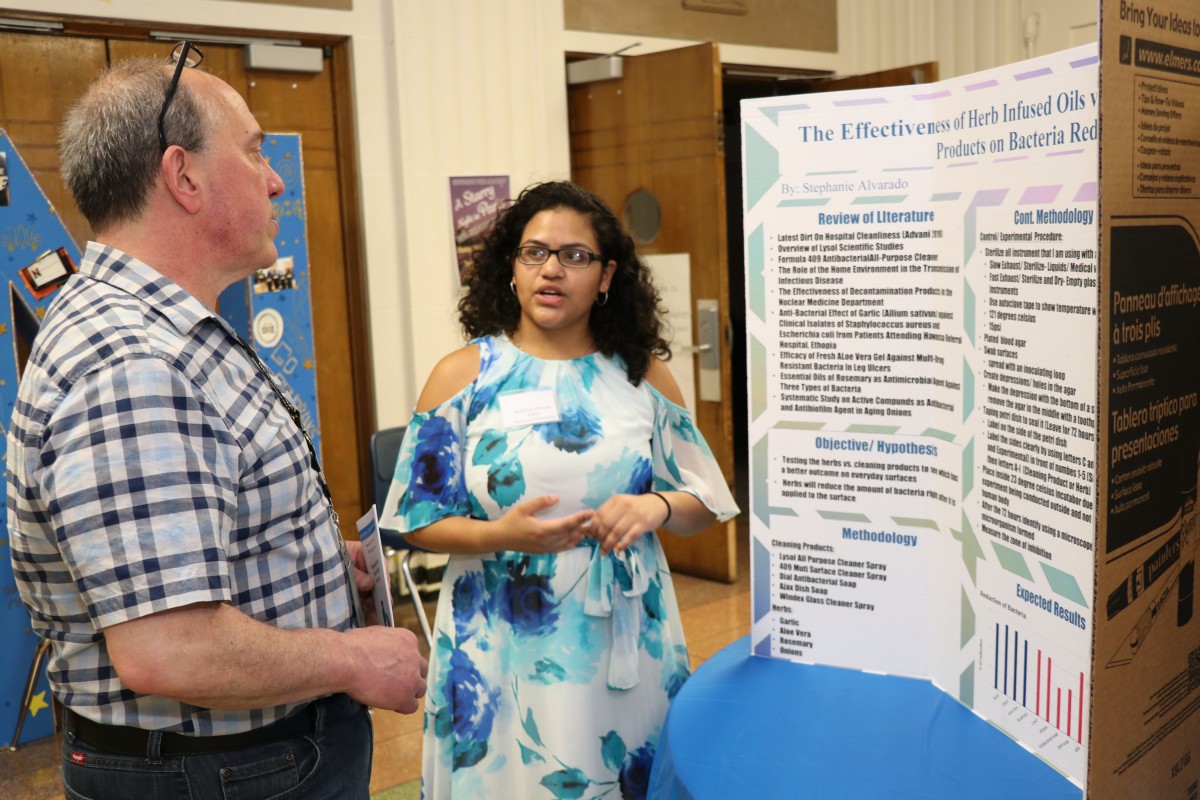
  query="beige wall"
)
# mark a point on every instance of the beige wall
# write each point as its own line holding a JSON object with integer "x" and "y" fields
{"x": 795, "y": 24}
{"x": 459, "y": 87}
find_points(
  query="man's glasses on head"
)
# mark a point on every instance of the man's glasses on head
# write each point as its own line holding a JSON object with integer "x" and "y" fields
{"x": 185, "y": 54}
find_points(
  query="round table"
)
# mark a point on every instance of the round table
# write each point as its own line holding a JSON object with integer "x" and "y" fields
{"x": 751, "y": 727}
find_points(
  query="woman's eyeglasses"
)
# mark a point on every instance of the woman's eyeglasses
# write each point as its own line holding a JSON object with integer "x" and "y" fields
{"x": 574, "y": 257}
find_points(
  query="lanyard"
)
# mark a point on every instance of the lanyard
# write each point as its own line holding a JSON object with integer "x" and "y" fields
{"x": 359, "y": 614}
{"x": 295, "y": 415}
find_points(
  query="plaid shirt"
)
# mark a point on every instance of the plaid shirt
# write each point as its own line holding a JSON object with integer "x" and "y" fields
{"x": 151, "y": 466}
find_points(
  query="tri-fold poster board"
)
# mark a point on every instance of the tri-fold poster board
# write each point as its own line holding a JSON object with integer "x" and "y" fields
{"x": 974, "y": 348}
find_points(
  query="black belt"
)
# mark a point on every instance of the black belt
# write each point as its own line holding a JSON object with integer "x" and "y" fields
{"x": 128, "y": 741}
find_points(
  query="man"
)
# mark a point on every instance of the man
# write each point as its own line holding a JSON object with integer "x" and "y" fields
{"x": 171, "y": 532}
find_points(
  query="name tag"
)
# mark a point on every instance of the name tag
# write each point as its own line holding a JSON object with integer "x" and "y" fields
{"x": 529, "y": 407}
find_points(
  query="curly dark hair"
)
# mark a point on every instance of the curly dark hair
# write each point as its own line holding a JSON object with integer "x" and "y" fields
{"x": 629, "y": 325}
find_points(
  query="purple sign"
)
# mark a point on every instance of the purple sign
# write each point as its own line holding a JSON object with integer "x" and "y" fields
{"x": 474, "y": 203}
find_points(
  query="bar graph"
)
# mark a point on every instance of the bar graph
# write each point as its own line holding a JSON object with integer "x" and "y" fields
{"x": 1029, "y": 674}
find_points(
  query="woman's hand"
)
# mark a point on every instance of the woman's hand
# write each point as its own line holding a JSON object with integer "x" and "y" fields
{"x": 524, "y": 531}
{"x": 625, "y": 518}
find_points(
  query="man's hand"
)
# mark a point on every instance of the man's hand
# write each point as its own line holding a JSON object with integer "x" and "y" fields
{"x": 362, "y": 574}
{"x": 391, "y": 669}
{"x": 211, "y": 654}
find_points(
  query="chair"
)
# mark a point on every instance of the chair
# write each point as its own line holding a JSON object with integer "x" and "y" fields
{"x": 385, "y": 448}
{"x": 39, "y": 655}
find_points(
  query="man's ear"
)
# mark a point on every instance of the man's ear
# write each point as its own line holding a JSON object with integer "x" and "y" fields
{"x": 178, "y": 171}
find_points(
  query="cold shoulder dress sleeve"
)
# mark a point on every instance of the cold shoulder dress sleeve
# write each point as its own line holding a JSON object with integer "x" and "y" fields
{"x": 551, "y": 674}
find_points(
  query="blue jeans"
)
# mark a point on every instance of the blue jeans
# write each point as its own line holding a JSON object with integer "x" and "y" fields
{"x": 331, "y": 762}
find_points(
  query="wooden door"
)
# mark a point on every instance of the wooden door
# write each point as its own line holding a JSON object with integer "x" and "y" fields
{"x": 42, "y": 75}
{"x": 658, "y": 129}
{"x": 289, "y": 102}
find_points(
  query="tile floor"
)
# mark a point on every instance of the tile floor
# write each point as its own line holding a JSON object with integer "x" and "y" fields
{"x": 714, "y": 614}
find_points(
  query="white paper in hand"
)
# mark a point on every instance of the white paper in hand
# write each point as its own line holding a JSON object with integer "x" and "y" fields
{"x": 381, "y": 598}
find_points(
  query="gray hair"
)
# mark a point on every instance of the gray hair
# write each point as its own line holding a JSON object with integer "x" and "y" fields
{"x": 108, "y": 147}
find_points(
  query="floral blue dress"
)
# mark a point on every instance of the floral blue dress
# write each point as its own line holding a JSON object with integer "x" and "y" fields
{"x": 551, "y": 674}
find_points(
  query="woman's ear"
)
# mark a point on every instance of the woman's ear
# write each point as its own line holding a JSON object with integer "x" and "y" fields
{"x": 606, "y": 276}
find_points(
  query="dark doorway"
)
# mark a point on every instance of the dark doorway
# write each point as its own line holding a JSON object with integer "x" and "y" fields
{"x": 747, "y": 83}
{"x": 740, "y": 84}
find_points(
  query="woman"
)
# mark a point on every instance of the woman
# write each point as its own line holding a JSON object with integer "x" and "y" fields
{"x": 542, "y": 456}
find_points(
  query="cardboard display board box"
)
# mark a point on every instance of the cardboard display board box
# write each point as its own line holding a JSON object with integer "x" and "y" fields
{"x": 973, "y": 396}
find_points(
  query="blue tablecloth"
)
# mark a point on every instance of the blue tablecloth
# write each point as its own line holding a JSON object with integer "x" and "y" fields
{"x": 745, "y": 728}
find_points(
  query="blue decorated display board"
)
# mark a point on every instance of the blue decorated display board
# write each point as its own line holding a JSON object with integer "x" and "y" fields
{"x": 273, "y": 308}
{"x": 32, "y": 240}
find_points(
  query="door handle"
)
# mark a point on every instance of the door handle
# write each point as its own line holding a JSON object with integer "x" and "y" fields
{"x": 708, "y": 329}
{"x": 695, "y": 348}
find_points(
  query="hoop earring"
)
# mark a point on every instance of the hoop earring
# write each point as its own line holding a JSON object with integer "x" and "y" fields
{"x": 600, "y": 302}
{"x": 513, "y": 285}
